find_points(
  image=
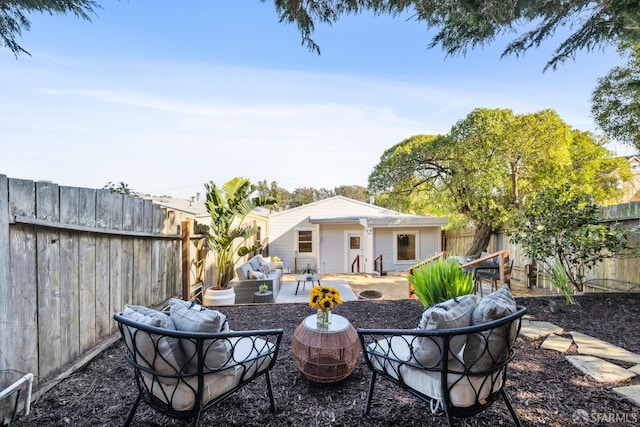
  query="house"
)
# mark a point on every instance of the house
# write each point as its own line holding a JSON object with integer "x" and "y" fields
{"x": 341, "y": 235}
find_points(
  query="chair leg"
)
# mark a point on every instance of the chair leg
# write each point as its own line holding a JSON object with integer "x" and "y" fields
{"x": 133, "y": 411}
{"x": 511, "y": 410}
{"x": 448, "y": 415}
{"x": 372, "y": 382}
{"x": 272, "y": 400}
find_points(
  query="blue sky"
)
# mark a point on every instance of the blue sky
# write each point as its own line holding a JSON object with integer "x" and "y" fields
{"x": 166, "y": 95}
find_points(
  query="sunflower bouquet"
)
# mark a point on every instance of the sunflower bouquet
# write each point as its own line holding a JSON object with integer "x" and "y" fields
{"x": 324, "y": 298}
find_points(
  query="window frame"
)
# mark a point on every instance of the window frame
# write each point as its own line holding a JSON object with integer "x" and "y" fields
{"x": 416, "y": 235}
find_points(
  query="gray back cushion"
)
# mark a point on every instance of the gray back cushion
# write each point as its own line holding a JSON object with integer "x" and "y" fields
{"x": 485, "y": 349}
{"x": 454, "y": 313}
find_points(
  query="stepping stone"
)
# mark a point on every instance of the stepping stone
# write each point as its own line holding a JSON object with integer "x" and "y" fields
{"x": 631, "y": 393}
{"x": 533, "y": 329}
{"x": 599, "y": 369}
{"x": 596, "y": 347}
{"x": 554, "y": 342}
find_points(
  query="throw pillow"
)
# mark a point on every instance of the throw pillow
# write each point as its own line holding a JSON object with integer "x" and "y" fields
{"x": 191, "y": 317}
{"x": 264, "y": 269}
{"x": 485, "y": 349}
{"x": 257, "y": 275}
{"x": 170, "y": 358}
{"x": 454, "y": 313}
{"x": 269, "y": 266}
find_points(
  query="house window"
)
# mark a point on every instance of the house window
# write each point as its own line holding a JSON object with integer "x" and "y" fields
{"x": 406, "y": 247}
{"x": 354, "y": 242}
{"x": 305, "y": 241}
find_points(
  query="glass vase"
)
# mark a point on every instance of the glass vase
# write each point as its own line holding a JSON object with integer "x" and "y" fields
{"x": 324, "y": 317}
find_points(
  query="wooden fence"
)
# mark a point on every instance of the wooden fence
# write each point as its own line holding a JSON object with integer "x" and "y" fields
{"x": 611, "y": 274}
{"x": 71, "y": 257}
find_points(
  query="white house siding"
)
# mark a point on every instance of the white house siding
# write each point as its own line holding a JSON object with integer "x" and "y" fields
{"x": 428, "y": 241}
{"x": 333, "y": 244}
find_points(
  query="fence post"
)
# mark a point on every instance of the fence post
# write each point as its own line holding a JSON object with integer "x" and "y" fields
{"x": 186, "y": 231}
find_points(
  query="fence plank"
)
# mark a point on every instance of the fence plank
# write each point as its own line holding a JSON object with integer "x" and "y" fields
{"x": 127, "y": 263}
{"x": 69, "y": 277}
{"x": 6, "y": 299}
{"x": 103, "y": 318}
{"x": 115, "y": 257}
{"x": 87, "y": 269}
{"x": 49, "y": 292}
{"x": 142, "y": 266}
{"x": 23, "y": 352}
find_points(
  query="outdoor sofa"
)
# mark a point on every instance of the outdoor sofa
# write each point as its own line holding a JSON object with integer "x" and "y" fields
{"x": 256, "y": 271}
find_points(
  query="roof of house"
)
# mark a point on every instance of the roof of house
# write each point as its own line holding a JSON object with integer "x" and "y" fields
{"x": 364, "y": 213}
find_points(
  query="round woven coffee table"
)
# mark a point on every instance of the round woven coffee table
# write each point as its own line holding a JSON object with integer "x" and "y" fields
{"x": 325, "y": 354}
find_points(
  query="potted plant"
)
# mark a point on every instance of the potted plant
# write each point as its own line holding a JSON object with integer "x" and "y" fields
{"x": 263, "y": 288}
{"x": 228, "y": 233}
{"x": 309, "y": 270}
{"x": 440, "y": 280}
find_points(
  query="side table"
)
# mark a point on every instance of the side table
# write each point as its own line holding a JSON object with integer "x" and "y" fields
{"x": 306, "y": 278}
{"x": 328, "y": 354}
{"x": 262, "y": 297}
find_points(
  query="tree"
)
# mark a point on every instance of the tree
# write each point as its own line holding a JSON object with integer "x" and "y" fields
{"x": 464, "y": 24}
{"x": 560, "y": 230}
{"x": 13, "y": 16}
{"x": 615, "y": 102}
{"x": 228, "y": 207}
{"x": 305, "y": 195}
{"x": 490, "y": 163}
{"x": 281, "y": 196}
{"x": 355, "y": 192}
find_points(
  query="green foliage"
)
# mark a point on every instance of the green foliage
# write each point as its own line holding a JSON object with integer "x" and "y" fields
{"x": 281, "y": 196}
{"x": 355, "y": 192}
{"x": 14, "y": 16}
{"x": 560, "y": 229}
{"x": 615, "y": 102}
{"x": 560, "y": 279}
{"x": 440, "y": 280}
{"x": 489, "y": 164}
{"x": 228, "y": 207}
{"x": 469, "y": 24}
{"x": 309, "y": 269}
{"x": 121, "y": 188}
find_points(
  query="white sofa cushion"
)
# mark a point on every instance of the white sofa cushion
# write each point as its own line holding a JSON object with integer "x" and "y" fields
{"x": 191, "y": 317}
{"x": 182, "y": 395}
{"x": 453, "y": 313}
{"x": 463, "y": 388}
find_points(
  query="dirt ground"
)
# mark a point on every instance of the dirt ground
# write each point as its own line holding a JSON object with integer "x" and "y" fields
{"x": 544, "y": 388}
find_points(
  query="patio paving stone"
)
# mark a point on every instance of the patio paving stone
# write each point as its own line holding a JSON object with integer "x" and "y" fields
{"x": 631, "y": 393}
{"x": 557, "y": 343}
{"x": 595, "y": 347}
{"x": 599, "y": 369}
{"x": 534, "y": 329}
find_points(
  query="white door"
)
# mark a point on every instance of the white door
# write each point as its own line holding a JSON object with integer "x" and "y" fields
{"x": 355, "y": 262}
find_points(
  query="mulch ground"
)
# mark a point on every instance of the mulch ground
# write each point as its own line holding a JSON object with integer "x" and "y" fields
{"x": 544, "y": 388}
